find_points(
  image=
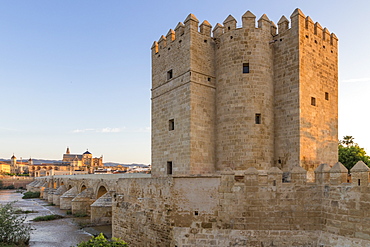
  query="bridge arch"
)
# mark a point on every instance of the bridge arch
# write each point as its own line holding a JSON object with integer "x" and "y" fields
{"x": 82, "y": 188}
{"x": 101, "y": 191}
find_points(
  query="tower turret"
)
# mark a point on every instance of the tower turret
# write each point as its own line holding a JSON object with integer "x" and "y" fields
{"x": 258, "y": 97}
{"x": 244, "y": 99}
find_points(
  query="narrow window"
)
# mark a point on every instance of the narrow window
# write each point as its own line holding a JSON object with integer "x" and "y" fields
{"x": 258, "y": 118}
{"x": 171, "y": 124}
{"x": 313, "y": 101}
{"x": 169, "y": 74}
{"x": 359, "y": 182}
{"x": 196, "y": 213}
{"x": 245, "y": 68}
{"x": 169, "y": 167}
{"x": 326, "y": 95}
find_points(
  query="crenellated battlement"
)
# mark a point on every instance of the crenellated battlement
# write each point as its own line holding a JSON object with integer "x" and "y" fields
{"x": 324, "y": 175}
{"x": 248, "y": 22}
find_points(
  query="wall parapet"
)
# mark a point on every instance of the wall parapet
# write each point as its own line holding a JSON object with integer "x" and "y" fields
{"x": 324, "y": 174}
{"x": 248, "y": 22}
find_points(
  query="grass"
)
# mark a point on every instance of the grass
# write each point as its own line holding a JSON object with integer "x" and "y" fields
{"x": 80, "y": 215}
{"x": 69, "y": 212}
{"x": 12, "y": 245}
{"x": 30, "y": 194}
{"x": 20, "y": 211}
{"x": 48, "y": 217}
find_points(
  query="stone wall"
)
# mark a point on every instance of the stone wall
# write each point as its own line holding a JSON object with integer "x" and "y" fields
{"x": 256, "y": 209}
{"x": 253, "y": 209}
{"x": 20, "y": 182}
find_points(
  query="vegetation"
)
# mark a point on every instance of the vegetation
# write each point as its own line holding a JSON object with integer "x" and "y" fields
{"x": 349, "y": 153}
{"x": 30, "y": 194}
{"x": 20, "y": 211}
{"x": 100, "y": 240}
{"x": 80, "y": 215}
{"x": 13, "y": 231}
{"x": 48, "y": 217}
{"x": 9, "y": 187}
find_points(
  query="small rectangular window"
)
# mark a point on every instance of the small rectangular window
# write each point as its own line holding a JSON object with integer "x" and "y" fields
{"x": 313, "y": 101}
{"x": 169, "y": 74}
{"x": 258, "y": 118}
{"x": 169, "y": 167}
{"x": 326, "y": 95}
{"x": 245, "y": 68}
{"x": 171, "y": 124}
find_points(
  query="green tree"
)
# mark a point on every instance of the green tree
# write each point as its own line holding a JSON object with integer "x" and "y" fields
{"x": 349, "y": 153}
{"x": 13, "y": 231}
{"x": 100, "y": 240}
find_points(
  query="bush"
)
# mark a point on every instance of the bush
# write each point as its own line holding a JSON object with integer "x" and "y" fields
{"x": 30, "y": 194}
{"x": 13, "y": 231}
{"x": 48, "y": 217}
{"x": 100, "y": 240}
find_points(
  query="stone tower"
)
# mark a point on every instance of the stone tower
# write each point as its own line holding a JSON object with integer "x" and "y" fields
{"x": 244, "y": 97}
{"x": 13, "y": 164}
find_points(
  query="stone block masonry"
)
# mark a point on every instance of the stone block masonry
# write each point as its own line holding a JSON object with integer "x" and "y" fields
{"x": 250, "y": 96}
{"x": 244, "y": 145}
{"x": 253, "y": 209}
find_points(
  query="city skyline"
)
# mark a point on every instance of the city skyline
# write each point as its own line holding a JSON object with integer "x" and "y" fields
{"x": 78, "y": 74}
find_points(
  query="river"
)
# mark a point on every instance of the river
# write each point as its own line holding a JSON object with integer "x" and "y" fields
{"x": 63, "y": 232}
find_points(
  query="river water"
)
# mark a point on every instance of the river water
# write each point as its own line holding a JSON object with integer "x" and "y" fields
{"x": 63, "y": 232}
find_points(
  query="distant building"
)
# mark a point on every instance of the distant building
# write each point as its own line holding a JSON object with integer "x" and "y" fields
{"x": 18, "y": 167}
{"x": 4, "y": 167}
{"x": 71, "y": 164}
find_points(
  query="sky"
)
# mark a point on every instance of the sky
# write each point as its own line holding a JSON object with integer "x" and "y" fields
{"x": 78, "y": 73}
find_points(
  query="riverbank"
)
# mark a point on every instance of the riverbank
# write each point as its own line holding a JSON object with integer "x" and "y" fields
{"x": 63, "y": 232}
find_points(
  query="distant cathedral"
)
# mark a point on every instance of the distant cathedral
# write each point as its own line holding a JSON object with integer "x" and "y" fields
{"x": 84, "y": 160}
{"x": 71, "y": 164}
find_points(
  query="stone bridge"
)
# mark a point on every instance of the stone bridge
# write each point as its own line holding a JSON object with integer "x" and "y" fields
{"x": 88, "y": 194}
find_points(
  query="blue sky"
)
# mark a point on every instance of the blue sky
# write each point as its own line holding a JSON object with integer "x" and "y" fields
{"x": 77, "y": 73}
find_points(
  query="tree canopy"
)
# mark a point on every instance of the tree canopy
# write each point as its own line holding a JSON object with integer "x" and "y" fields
{"x": 349, "y": 153}
{"x": 13, "y": 231}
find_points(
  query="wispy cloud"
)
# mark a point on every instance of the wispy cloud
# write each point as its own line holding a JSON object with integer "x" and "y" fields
{"x": 365, "y": 79}
{"x": 82, "y": 130}
{"x": 110, "y": 130}
{"x": 103, "y": 130}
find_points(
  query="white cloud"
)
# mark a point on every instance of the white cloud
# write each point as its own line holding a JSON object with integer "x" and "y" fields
{"x": 110, "y": 130}
{"x": 365, "y": 79}
{"x": 103, "y": 130}
{"x": 82, "y": 130}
